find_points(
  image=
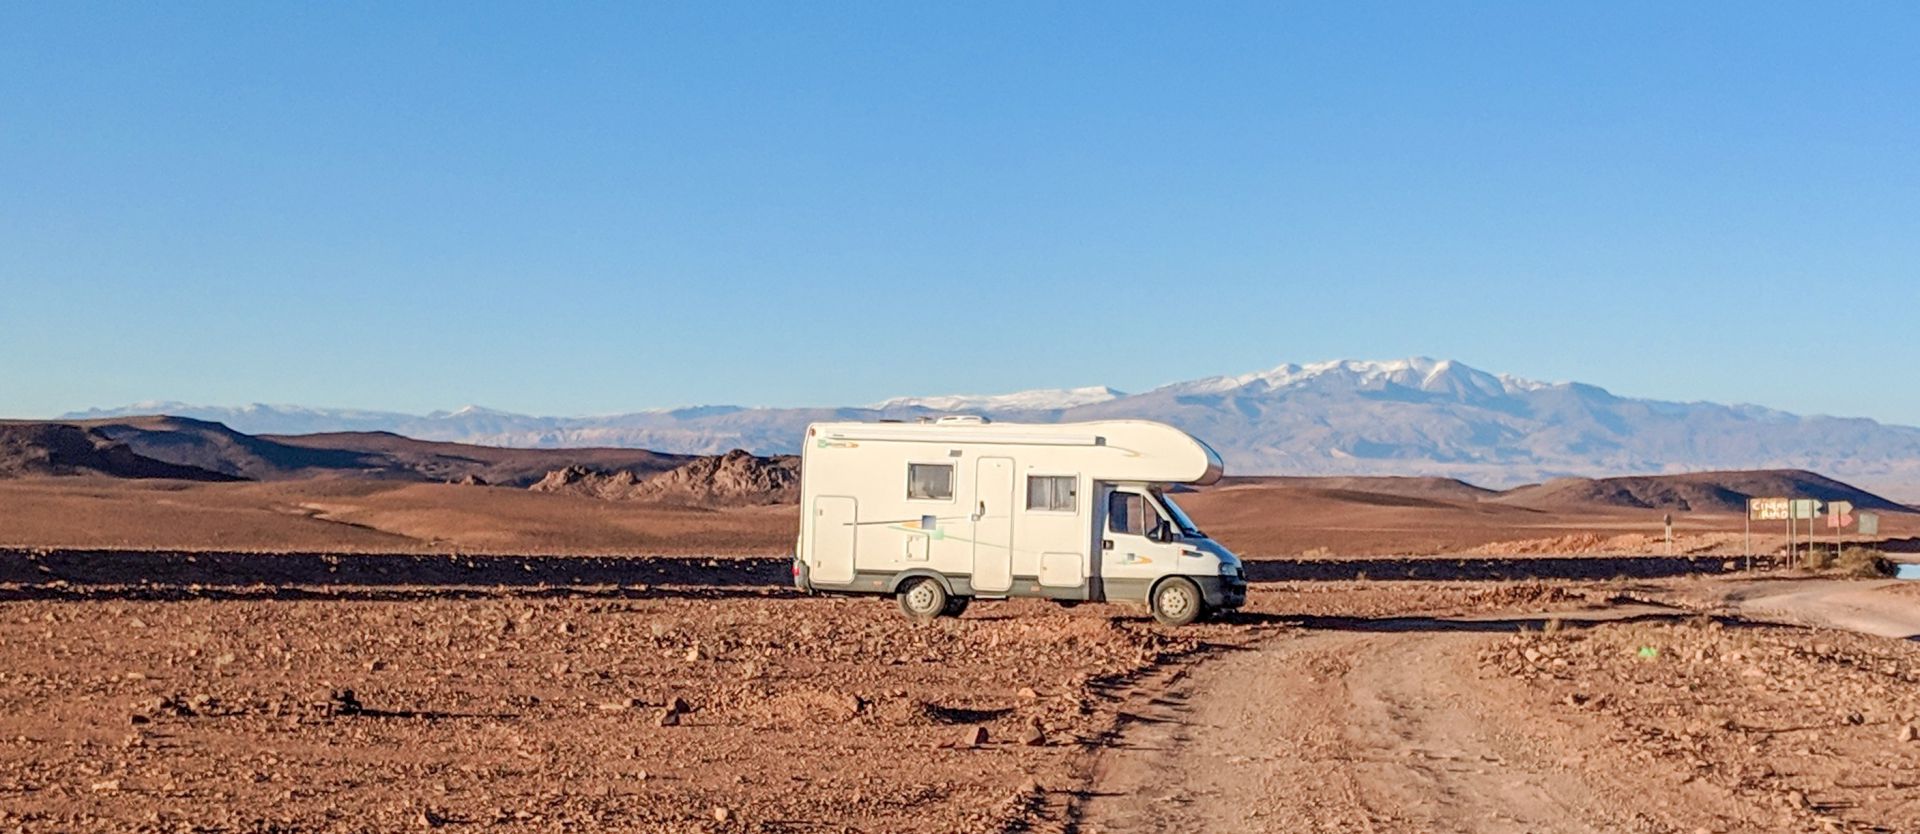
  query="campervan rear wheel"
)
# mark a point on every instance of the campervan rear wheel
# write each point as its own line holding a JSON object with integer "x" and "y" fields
{"x": 923, "y": 598}
{"x": 955, "y": 606}
{"x": 1177, "y": 602}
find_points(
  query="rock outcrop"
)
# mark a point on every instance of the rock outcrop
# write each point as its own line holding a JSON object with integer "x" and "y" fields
{"x": 735, "y": 479}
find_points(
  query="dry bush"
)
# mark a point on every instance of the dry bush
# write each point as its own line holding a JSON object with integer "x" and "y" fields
{"x": 1818, "y": 559}
{"x": 1863, "y": 562}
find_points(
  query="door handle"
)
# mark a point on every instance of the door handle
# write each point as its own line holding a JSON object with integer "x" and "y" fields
{"x": 981, "y": 512}
{"x": 1106, "y": 544}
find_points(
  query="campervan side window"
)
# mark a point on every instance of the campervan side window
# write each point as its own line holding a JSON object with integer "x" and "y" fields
{"x": 930, "y": 481}
{"x": 1132, "y": 513}
{"x": 1052, "y": 493}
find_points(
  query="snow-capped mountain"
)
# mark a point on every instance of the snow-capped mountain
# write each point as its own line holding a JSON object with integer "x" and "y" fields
{"x": 1413, "y": 416}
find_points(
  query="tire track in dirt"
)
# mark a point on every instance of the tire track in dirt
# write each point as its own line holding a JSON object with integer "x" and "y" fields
{"x": 1327, "y": 731}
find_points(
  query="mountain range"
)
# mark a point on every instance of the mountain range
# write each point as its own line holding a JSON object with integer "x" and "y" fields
{"x": 1413, "y": 416}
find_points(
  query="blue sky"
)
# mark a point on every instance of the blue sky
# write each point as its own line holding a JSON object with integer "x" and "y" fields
{"x": 588, "y": 209}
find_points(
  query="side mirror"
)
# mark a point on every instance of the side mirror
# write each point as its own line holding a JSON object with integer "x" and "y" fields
{"x": 1161, "y": 533}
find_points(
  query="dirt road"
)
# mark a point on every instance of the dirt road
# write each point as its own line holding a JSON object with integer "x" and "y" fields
{"x": 1405, "y": 726}
{"x": 1351, "y": 732}
{"x": 1866, "y": 606}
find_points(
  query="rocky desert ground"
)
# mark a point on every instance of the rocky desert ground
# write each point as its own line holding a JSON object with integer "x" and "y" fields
{"x": 681, "y": 694}
{"x": 307, "y": 642}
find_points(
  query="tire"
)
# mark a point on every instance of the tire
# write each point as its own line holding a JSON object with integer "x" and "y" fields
{"x": 922, "y": 598}
{"x": 1067, "y": 603}
{"x": 1177, "y": 601}
{"x": 955, "y": 606}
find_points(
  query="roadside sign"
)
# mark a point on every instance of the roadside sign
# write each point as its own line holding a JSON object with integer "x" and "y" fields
{"x": 1869, "y": 524}
{"x": 1805, "y": 509}
{"x": 1767, "y": 509}
{"x": 1839, "y": 514}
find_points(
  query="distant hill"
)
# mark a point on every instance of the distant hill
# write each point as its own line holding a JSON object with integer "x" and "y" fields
{"x": 1723, "y": 492}
{"x": 39, "y": 449}
{"x": 495, "y": 465}
{"x": 1445, "y": 489}
{"x": 1705, "y": 492}
{"x": 210, "y": 447}
{"x": 1413, "y": 417}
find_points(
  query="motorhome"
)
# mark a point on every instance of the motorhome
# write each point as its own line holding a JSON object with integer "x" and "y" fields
{"x": 939, "y": 513}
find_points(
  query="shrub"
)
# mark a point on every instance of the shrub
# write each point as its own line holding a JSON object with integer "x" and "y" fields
{"x": 1863, "y": 562}
{"x": 1819, "y": 559}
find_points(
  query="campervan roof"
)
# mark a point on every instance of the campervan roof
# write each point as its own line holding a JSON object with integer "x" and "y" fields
{"x": 1116, "y": 450}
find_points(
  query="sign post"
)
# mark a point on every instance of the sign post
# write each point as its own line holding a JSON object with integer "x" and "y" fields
{"x": 1839, "y": 515}
{"x": 1804, "y": 509}
{"x": 1768, "y": 509}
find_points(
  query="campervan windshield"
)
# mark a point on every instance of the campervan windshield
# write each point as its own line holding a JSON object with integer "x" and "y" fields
{"x": 1180, "y": 518}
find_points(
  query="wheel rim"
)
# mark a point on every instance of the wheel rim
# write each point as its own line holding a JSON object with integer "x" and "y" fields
{"x": 1175, "y": 601}
{"x": 921, "y": 598}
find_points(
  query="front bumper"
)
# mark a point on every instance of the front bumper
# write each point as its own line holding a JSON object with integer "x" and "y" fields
{"x": 1222, "y": 591}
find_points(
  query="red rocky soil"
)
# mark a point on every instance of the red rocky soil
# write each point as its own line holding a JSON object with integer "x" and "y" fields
{"x": 656, "y": 710}
{"x": 1797, "y": 729}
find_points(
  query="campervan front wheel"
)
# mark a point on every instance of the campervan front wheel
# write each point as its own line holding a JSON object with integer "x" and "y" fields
{"x": 1177, "y": 602}
{"x": 923, "y": 598}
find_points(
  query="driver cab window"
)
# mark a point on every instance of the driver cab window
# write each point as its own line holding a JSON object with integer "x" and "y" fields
{"x": 1129, "y": 513}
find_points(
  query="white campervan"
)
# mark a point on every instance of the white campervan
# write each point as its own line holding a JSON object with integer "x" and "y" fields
{"x": 941, "y": 512}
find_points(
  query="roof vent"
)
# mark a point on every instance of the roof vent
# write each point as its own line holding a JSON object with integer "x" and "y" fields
{"x": 962, "y": 420}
